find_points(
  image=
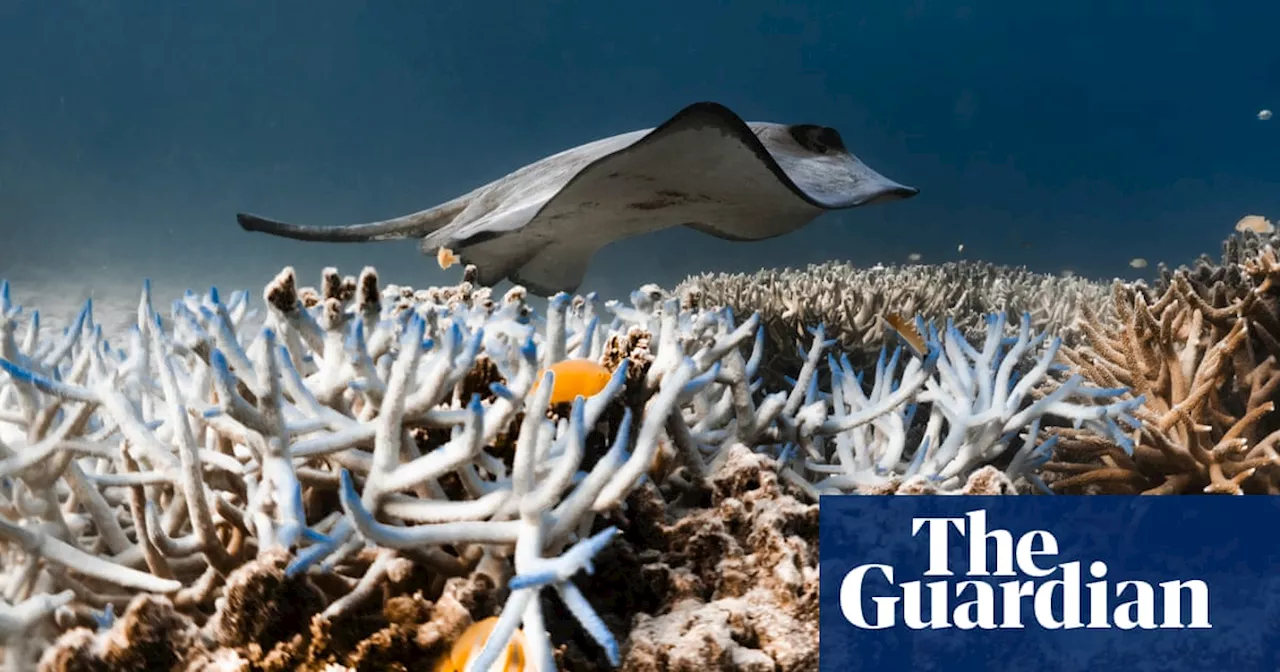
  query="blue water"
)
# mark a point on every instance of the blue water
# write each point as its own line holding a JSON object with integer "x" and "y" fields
{"x": 1060, "y": 135}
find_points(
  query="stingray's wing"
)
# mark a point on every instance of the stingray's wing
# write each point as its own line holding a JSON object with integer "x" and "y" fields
{"x": 708, "y": 169}
{"x": 704, "y": 168}
{"x": 505, "y": 206}
{"x": 496, "y": 253}
{"x": 557, "y": 267}
{"x": 492, "y": 232}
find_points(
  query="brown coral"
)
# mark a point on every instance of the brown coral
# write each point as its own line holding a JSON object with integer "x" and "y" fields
{"x": 264, "y": 608}
{"x": 1202, "y": 353}
{"x": 268, "y": 622}
{"x": 150, "y": 635}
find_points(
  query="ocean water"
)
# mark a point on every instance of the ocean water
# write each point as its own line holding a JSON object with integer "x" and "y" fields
{"x": 1058, "y": 135}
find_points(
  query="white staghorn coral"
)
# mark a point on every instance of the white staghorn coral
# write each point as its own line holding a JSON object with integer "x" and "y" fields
{"x": 977, "y": 404}
{"x": 356, "y": 417}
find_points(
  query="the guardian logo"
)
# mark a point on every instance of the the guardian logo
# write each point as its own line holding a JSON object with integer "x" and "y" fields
{"x": 1051, "y": 594}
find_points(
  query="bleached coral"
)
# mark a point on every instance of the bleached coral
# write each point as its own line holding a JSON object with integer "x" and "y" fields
{"x": 406, "y": 423}
{"x": 966, "y": 405}
{"x": 853, "y": 301}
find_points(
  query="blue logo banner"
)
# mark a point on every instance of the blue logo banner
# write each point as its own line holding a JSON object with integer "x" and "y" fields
{"x": 1050, "y": 583}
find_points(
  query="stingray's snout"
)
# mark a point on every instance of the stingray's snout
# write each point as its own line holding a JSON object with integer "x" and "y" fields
{"x": 895, "y": 193}
{"x": 879, "y": 189}
{"x": 867, "y": 186}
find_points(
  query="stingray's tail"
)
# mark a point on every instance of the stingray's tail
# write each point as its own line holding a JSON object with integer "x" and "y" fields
{"x": 415, "y": 225}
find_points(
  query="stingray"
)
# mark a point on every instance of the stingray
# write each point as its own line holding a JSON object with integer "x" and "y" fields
{"x": 704, "y": 168}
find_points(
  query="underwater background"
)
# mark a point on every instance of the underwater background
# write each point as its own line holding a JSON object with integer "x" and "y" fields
{"x": 205, "y": 483}
{"x": 1060, "y": 135}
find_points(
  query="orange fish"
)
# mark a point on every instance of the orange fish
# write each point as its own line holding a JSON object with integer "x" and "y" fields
{"x": 908, "y": 332}
{"x": 446, "y": 258}
{"x": 472, "y": 642}
{"x": 576, "y": 377}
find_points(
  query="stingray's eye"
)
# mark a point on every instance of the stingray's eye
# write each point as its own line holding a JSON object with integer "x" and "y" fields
{"x": 819, "y": 139}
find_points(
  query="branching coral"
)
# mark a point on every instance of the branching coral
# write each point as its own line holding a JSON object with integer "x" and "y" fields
{"x": 1203, "y": 352}
{"x": 964, "y": 417}
{"x": 362, "y": 436}
{"x": 853, "y": 302}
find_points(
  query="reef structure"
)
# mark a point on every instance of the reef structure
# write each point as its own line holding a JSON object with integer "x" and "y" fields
{"x": 854, "y": 302}
{"x": 362, "y": 475}
{"x": 1202, "y": 348}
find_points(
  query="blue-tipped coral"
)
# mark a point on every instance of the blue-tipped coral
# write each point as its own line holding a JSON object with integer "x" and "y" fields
{"x": 364, "y": 442}
{"x": 857, "y": 304}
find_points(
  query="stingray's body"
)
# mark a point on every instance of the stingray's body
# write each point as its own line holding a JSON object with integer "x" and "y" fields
{"x": 704, "y": 168}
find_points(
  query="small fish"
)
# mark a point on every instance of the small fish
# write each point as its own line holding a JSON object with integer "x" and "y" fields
{"x": 576, "y": 377}
{"x": 908, "y": 332}
{"x": 913, "y": 257}
{"x": 446, "y": 258}
{"x": 1138, "y": 262}
{"x": 960, "y": 248}
{"x": 1256, "y": 224}
{"x": 1264, "y": 115}
{"x": 472, "y": 641}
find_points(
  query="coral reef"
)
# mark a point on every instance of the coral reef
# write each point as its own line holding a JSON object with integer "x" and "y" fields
{"x": 740, "y": 575}
{"x": 854, "y": 302}
{"x": 1237, "y": 249}
{"x": 372, "y": 471}
{"x": 1202, "y": 348}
